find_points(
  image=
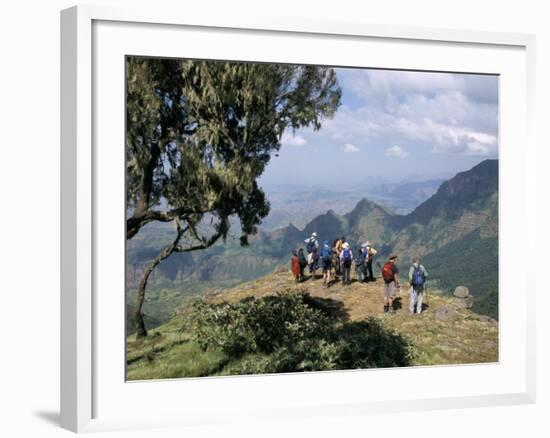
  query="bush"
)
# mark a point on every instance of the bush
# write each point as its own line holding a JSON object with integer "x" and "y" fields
{"x": 289, "y": 332}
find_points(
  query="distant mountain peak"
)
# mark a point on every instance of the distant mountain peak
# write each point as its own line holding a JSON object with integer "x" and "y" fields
{"x": 364, "y": 203}
{"x": 459, "y": 192}
{"x": 292, "y": 227}
{"x": 365, "y": 207}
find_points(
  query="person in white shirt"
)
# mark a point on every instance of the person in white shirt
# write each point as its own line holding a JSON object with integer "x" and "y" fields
{"x": 346, "y": 258}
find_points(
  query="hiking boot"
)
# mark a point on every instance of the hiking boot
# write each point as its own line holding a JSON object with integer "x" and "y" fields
{"x": 386, "y": 308}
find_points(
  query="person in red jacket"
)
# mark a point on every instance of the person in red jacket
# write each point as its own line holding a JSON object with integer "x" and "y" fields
{"x": 390, "y": 274}
{"x": 295, "y": 266}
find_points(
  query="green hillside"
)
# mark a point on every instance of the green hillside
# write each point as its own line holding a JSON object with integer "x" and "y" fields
{"x": 472, "y": 262}
{"x": 455, "y": 230}
{"x": 272, "y": 325}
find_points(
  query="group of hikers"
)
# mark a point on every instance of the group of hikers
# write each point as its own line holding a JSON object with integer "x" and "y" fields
{"x": 340, "y": 257}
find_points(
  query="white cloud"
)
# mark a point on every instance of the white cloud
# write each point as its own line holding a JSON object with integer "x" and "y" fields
{"x": 396, "y": 151}
{"x": 293, "y": 140}
{"x": 447, "y": 113}
{"x": 444, "y": 123}
{"x": 460, "y": 139}
{"x": 350, "y": 148}
{"x": 349, "y": 125}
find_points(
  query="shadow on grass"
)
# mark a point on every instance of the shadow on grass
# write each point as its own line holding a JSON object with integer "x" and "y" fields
{"x": 397, "y": 303}
{"x": 368, "y": 344}
{"x": 154, "y": 350}
{"x": 329, "y": 306}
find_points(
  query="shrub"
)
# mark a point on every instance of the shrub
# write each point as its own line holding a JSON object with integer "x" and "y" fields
{"x": 289, "y": 332}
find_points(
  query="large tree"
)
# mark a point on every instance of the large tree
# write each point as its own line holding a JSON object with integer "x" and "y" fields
{"x": 200, "y": 133}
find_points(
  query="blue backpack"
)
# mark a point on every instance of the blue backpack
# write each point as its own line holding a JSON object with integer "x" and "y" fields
{"x": 418, "y": 277}
{"x": 325, "y": 253}
{"x": 346, "y": 258}
{"x": 310, "y": 247}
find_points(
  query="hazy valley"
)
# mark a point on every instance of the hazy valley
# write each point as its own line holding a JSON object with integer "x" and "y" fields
{"x": 453, "y": 225}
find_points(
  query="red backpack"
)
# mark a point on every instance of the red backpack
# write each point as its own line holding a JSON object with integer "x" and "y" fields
{"x": 295, "y": 266}
{"x": 387, "y": 271}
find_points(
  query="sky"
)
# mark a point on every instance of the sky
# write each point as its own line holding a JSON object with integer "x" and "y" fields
{"x": 395, "y": 125}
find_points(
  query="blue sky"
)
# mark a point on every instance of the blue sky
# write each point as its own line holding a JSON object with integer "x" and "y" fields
{"x": 395, "y": 124}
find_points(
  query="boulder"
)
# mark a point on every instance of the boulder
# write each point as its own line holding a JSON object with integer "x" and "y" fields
{"x": 464, "y": 303}
{"x": 445, "y": 313}
{"x": 461, "y": 292}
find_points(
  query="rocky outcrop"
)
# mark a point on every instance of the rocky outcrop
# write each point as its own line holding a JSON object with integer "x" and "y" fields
{"x": 462, "y": 298}
{"x": 461, "y": 292}
{"x": 445, "y": 313}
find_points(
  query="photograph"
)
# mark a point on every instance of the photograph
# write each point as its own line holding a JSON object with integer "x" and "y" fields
{"x": 286, "y": 218}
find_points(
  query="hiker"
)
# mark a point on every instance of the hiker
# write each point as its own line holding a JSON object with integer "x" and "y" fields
{"x": 339, "y": 245}
{"x": 335, "y": 259}
{"x": 311, "y": 243}
{"x": 313, "y": 260}
{"x": 360, "y": 265}
{"x": 417, "y": 281}
{"x": 390, "y": 274}
{"x": 370, "y": 253}
{"x": 303, "y": 263}
{"x": 295, "y": 266}
{"x": 346, "y": 258}
{"x": 326, "y": 260}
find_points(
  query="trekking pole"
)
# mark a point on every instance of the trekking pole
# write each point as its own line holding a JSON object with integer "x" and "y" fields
{"x": 426, "y": 292}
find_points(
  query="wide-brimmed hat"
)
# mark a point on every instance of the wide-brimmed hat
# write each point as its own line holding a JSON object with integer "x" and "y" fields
{"x": 346, "y": 245}
{"x": 392, "y": 257}
{"x": 314, "y": 234}
{"x": 367, "y": 243}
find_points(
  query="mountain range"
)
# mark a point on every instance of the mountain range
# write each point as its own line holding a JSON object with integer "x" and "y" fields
{"x": 455, "y": 231}
{"x": 465, "y": 203}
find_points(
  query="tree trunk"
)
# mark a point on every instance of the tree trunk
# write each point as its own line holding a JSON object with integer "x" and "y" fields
{"x": 165, "y": 253}
{"x": 138, "y": 315}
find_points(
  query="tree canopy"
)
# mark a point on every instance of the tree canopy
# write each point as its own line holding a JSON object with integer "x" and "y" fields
{"x": 200, "y": 133}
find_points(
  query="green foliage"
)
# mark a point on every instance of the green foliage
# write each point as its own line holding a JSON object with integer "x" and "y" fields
{"x": 252, "y": 326}
{"x": 487, "y": 304}
{"x": 471, "y": 262}
{"x": 199, "y": 134}
{"x": 288, "y": 333}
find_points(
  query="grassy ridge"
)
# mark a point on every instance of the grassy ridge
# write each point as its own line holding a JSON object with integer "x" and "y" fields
{"x": 251, "y": 330}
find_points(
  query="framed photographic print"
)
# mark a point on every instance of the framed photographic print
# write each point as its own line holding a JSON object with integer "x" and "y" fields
{"x": 273, "y": 218}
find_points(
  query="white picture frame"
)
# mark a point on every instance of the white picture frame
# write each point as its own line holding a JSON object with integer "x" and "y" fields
{"x": 84, "y": 371}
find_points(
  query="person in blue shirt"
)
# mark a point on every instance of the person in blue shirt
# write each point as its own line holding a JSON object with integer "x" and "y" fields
{"x": 417, "y": 282}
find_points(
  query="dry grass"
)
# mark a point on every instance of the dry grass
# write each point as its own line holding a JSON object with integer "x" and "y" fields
{"x": 463, "y": 339}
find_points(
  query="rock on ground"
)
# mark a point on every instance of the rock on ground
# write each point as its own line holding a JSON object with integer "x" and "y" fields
{"x": 464, "y": 303}
{"x": 461, "y": 292}
{"x": 445, "y": 313}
